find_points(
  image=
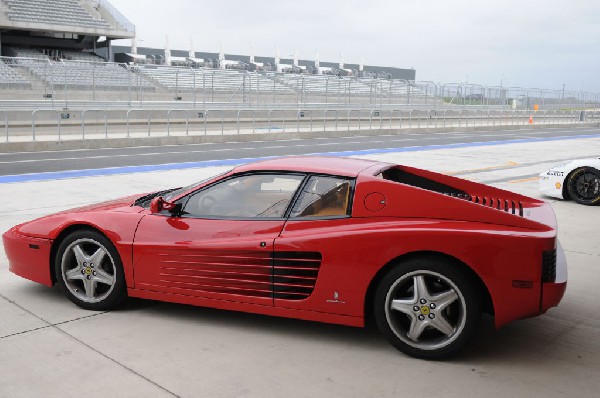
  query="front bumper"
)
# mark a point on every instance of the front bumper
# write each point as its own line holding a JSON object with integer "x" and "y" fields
{"x": 551, "y": 185}
{"x": 28, "y": 257}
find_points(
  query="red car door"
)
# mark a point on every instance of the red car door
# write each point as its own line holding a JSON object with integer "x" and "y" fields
{"x": 221, "y": 259}
{"x": 221, "y": 246}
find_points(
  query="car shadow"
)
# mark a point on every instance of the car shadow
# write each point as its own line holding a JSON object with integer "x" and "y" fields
{"x": 518, "y": 341}
{"x": 367, "y": 337}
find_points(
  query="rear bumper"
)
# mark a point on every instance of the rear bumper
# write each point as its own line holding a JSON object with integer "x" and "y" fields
{"x": 28, "y": 257}
{"x": 552, "y": 293}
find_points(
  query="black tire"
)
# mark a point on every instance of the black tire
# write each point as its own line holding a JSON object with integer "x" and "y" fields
{"x": 583, "y": 185}
{"x": 89, "y": 271}
{"x": 446, "y": 299}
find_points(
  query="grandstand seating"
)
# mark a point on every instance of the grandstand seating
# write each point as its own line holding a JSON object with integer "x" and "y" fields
{"x": 11, "y": 79}
{"x": 322, "y": 84}
{"x": 85, "y": 71}
{"x": 56, "y": 12}
{"x": 213, "y": 79}
{"x": 81, "y": 56}
{"x": 25, "y": 53}
{"x": 85, "y": 75}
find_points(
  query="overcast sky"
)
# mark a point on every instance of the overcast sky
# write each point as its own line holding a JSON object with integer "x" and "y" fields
{"x": 527, "y": 43}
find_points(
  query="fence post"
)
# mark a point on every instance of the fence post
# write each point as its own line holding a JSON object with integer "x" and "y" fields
{"x": 5, "y": 124}
{"x": 138, "y": 110}
{"x": 83, "y": 121}
{"x": 34, "y": 114}
{"x": 169, "y": 120}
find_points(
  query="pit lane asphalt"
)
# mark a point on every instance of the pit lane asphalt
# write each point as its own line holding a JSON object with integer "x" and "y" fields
{"x": 51, "y": 348}
{"x": 165, "y": 157}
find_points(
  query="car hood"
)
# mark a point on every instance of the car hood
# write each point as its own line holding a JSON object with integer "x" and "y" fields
{"x": 95, "y": 215}
{"x": 573, "y": 164}
{"x": 120, "y": 204}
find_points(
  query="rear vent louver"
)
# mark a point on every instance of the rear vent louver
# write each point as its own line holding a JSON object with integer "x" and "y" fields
{"x": 549, "y": 266}
{"x": 509, "y": 206}
{"x": 295, "y": 274}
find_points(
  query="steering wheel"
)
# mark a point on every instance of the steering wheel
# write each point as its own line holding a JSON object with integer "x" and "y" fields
{"x": 242, "y": 213}
{"x": 207, "y": 203}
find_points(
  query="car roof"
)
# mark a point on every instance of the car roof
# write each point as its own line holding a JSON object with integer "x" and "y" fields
{"x": 347, "y": 167}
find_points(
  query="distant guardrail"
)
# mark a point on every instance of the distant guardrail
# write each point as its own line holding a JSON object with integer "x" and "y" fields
{"x": 99, "y": 123}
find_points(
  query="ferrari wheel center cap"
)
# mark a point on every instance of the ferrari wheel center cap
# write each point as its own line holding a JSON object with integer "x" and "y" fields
{"x": 425, "y": 310}
{"x": 88, "y": 271}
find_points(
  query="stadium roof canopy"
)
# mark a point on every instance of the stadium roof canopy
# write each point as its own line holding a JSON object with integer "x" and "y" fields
{"x": 61, "y": 18}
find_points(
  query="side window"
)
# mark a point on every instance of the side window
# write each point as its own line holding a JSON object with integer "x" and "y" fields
{"x": 257, "y": 195}
{"x": 323, "y": 196}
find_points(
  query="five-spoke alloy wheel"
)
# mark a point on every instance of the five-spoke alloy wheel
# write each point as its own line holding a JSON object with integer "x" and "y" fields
{"x": 427, "y": 308}
{"x": 89, "y": 271}
{"x": 584, "y": 186}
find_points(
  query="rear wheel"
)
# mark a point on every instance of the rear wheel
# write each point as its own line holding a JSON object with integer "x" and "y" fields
{"x": 427, "y": 308}
{"x": 89, "y": 271}
{"x": 584, "y": 186}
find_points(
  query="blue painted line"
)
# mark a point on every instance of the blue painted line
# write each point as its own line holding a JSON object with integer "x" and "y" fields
{"x": 60, "y": 175}
{"x": 452, "y": 146}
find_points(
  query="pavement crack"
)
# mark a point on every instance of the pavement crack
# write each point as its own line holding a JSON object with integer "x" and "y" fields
{"x": 50, "y": 325}
{"x": 25, "y": 332}
{"x": 580, "y": 252}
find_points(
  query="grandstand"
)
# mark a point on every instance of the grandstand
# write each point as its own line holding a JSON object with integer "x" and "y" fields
{"x": 62, "y": 49}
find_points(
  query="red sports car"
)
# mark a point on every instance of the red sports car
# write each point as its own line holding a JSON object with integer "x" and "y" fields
{"x": 325, "y": 239}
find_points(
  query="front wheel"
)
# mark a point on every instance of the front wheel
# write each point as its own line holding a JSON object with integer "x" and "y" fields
{"x": 427, "y": 308}
{"x": 89, "y": 271}
{"x": 584, "y": 186}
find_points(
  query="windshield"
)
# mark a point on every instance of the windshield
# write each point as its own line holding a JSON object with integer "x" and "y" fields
{"x": 176, "y": 192}
{"x": 168, "y": 194}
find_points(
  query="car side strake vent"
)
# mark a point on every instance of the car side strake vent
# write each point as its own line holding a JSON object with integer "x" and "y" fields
{"x": 506, "y": 205}
{"x": 286, "y": 275}
{"x": 295, "y": 274}
{"x": 549, "y": 266}
{"x": 244, "y": 273}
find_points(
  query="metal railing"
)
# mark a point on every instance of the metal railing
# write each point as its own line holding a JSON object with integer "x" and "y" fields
{"x": 97, "y": 123}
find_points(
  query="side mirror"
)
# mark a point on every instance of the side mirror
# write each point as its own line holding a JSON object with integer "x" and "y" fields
{"x": 158, "y": 204}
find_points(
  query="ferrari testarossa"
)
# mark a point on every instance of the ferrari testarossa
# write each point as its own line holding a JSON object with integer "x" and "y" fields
{"x": 325, "y": 239}
{"x": 577, "y": 179}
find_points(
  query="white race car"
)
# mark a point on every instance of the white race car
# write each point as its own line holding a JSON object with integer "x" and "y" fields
{"x": 577, "y": 179}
